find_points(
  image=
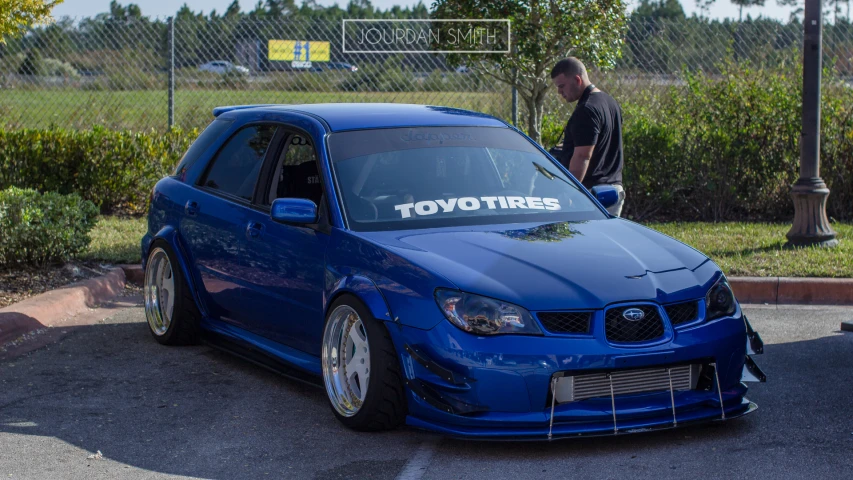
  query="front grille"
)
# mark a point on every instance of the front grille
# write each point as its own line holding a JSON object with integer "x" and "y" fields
{"x": 619, "y": 329}
{"x": 582, "y": 387}
{"x": 682, "y": 312}
{"x": 565, "y": 322}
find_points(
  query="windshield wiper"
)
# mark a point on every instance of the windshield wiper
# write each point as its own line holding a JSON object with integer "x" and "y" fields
{"x": 547, "y": 174}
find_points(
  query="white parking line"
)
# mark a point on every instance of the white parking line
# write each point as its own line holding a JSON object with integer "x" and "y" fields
{"x": 417, "y": 465}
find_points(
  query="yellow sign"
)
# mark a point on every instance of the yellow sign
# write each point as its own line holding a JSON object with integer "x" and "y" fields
{"x": 299, "y": 51}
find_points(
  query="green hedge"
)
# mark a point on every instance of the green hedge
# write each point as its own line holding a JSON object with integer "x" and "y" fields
{"x": 114, "y": 169}
{"x": 722, "y": 147}
{"x": 41, "y": 228}
{"x": 726, "y": 147}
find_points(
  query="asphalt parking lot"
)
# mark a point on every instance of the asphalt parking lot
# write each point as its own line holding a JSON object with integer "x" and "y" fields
{"x": 193, "y": 412}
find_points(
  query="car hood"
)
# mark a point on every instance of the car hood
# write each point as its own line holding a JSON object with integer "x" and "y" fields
{"x": 565, "y": 265}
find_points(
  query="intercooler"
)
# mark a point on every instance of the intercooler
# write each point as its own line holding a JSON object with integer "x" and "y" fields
{"x": 581, "y": 387}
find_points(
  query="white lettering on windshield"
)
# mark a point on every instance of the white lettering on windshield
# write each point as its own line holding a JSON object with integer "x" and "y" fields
{"x": 431, "y": 207}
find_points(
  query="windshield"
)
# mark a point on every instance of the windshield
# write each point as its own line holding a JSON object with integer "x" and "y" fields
{"x": 428, "y": 177}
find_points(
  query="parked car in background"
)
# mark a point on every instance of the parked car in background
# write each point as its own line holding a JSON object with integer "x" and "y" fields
{"x": 436, "y": 267}
{"x": 327, "y": 66}
{"x": 222, "y": 67}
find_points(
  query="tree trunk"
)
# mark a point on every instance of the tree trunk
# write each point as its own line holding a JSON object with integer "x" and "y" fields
{"x": 535, "y": 111}
{"x": 534, "y": 119}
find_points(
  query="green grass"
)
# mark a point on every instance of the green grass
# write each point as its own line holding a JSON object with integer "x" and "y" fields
{"x": 147, "y": 109}
{"x": 740, "y": 249}
{"x": 756, "y": 249}
{"x": 116, "y": 240}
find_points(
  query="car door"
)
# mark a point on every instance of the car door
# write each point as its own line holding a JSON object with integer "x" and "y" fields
{"x": 286, "y": 263}
{"x": 215, "y": 218}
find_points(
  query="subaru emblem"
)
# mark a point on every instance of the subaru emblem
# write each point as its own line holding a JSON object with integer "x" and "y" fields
{"x": 633, "y": 314}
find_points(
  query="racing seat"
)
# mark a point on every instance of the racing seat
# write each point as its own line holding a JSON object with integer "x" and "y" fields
{"x": 300, "y": 181}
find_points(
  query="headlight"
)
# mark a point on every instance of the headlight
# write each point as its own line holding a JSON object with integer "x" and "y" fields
{"x": 483, "y": 315}
{"x": 720, "y": 301}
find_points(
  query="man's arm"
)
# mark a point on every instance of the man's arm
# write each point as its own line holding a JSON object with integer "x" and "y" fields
{"x": 584, "y": 134}
{"x": 580, "y": 161}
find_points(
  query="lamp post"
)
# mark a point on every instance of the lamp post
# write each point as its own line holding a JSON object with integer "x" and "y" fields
{"x": 811, "y": 226}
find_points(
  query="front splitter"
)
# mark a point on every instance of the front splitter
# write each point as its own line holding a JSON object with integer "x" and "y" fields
{"x": 565, "y": 432}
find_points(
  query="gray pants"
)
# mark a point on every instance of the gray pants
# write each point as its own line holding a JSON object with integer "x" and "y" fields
{"x": 616, "y": 208}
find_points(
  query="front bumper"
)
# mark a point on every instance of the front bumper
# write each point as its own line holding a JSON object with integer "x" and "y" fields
{"x": 500, "y": 387}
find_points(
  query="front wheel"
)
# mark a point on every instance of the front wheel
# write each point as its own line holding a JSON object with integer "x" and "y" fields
{"x": 360, "y": 369}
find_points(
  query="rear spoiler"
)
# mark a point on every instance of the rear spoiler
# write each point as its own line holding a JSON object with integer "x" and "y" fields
{"x": 220, "y": 110}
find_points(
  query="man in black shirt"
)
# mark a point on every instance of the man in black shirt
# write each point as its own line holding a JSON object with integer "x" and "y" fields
{"x": 592, "y": 149}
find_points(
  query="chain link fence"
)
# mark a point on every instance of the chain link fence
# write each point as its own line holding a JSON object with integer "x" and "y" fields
{"x": 152, "y": 72}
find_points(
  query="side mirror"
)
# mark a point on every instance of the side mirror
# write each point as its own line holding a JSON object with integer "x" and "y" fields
{"x": 294, "y": 210}
{"x": 607, "y": 195}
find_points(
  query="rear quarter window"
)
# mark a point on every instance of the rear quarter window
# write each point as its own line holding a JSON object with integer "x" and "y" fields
{"x": 202, "y": 143}
{"x": 238, "y": 163}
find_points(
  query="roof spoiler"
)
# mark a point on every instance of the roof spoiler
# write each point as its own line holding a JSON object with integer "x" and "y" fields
{"x": 220, "y": 110}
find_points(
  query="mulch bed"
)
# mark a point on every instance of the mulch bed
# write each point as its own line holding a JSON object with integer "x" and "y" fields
{"x": 21, "y": 282}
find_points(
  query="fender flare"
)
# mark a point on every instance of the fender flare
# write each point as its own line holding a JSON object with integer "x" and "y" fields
{"x": 169, "y": 235}
{"x": 365, "y": 290}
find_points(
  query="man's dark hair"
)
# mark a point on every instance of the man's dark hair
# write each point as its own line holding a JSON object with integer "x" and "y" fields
{"x": 569, "y": 67}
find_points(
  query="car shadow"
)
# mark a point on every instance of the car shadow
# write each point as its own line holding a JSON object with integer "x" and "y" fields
{"x": 193, "y": 411}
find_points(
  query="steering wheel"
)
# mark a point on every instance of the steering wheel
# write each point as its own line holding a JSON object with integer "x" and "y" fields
{"x": 363, "y": 209}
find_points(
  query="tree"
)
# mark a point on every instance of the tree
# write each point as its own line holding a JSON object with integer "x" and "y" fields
{"x": 543, "y": 32}
{"x": 746, "y": 3}
{"x": 233, "y": 10}
{"x": 800, "y": 7}
{"x": 280, "y": 8}
{"x": 660, "y": 9}
{"x": 18, "y": 15}
{"x": 360, "y": 9}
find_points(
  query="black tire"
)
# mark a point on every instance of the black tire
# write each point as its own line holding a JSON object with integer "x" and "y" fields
{"x": 385, "y": 405}
{"x": 184, "y": 326}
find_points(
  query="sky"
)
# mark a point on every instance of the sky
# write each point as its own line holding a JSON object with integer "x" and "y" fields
{"x": 164, "y": 8}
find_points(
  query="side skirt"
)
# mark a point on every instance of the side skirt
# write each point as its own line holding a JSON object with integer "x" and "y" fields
{"x": 259, "y": 356}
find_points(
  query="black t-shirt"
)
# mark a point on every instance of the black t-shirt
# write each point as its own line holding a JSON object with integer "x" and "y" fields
{"x": 597, "y": 120}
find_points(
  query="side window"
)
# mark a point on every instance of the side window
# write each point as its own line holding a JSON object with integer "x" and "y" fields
{"x": 207, "y": 137}
{"x": 296, "y": 174}
{"x": 237, "y": 165}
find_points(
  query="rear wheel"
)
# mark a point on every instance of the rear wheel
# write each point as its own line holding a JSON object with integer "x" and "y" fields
{"x": 360, "y": 369}
{"x": 169, "y": 308}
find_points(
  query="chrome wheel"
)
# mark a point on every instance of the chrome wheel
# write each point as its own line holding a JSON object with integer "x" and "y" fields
{"x": 346, "y": 360}
{"x": 159, "y": 292}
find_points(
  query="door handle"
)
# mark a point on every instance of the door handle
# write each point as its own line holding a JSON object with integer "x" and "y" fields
{"x": 254, "y": 229}
{"x": 191, "y": 208}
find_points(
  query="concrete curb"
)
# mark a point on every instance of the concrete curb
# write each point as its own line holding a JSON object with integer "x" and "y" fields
{"x": 793, "y": 291}
{"x": 133, "y": 273}
{"x": 51, "y": 309}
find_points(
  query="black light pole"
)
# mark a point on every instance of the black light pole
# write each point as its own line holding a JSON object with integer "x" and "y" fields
{"x": 811, "y": 227}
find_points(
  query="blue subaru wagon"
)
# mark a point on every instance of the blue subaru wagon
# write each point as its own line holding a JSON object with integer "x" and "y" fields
{"x": 435, "y": 267}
